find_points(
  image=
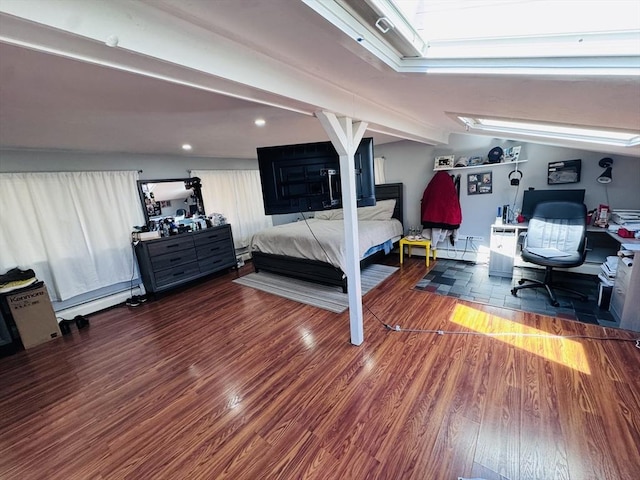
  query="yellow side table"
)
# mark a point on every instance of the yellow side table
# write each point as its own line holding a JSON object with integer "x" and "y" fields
{"x": 422, "y": 242}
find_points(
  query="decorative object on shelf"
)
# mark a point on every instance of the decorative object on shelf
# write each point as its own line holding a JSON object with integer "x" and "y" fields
{"x": 567, "y": 171}
{"x": 496, "y": 155}
{"x": 474, "y": 161}
{"x": 479, "y": 183}
{"x": 462, "y": 162}
{"x": 605, "y": 163}
{"x": 512, "y": 154}
{"x": 444, "y": 162}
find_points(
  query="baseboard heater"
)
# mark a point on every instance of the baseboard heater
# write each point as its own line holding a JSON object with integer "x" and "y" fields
{"x": 96, "y": 304}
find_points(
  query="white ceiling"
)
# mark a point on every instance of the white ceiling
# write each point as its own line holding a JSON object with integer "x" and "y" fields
{"x": 200, "y": 72}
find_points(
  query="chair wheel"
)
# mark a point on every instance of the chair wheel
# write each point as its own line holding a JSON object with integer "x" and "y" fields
{"x": 521, "y": 281}
{"x": 514, "y": 292}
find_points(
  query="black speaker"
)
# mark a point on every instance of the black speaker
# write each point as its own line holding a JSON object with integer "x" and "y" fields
{"x": 515, "y": 177}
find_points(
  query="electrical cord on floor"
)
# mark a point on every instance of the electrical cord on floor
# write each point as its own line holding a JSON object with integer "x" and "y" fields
{"x": 397, "y": 328}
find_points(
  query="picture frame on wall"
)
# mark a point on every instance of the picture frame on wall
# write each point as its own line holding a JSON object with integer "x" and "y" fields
{"x": 479, "y": 183}
{"x": 566, "y": 171}
{"x": 445, "y": 162}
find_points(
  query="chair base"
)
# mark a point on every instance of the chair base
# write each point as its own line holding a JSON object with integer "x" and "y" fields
{"x": 547, "y": 284}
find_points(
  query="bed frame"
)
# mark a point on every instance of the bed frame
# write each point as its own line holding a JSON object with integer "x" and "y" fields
{"x": 322, "y": 272}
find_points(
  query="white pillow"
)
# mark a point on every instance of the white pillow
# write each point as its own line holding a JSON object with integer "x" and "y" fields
{"x": 382, "y": 210}
{"x": 335, "y": 214}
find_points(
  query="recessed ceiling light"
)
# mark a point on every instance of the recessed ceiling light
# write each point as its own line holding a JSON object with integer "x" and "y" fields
{"x": 260, "y": 122}
{"x": 187, "y": 147}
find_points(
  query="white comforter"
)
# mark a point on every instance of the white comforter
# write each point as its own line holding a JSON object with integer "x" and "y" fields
{"x": 297, "y": 240}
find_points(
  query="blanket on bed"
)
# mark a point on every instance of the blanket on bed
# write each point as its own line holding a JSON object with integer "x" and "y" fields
{"x": 323, "y": 240}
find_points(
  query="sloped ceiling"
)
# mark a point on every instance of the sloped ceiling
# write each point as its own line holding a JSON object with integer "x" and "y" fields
{"x": 200, "y": 72}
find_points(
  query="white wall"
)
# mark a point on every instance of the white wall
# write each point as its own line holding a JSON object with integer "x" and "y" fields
{"x": 152, "y": 166}
{"x": 412, "y": 164}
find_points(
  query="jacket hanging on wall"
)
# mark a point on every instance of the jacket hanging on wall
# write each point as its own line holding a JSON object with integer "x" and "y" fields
{"x": 440, "y": 204}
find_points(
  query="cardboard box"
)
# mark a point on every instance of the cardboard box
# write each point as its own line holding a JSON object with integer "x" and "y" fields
{"x": 33, "y": 314}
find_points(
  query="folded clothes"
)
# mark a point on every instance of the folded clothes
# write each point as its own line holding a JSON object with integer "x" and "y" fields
{"x": 15, "y": 279}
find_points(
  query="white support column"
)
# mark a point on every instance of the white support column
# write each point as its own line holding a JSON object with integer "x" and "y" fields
{"x": 345, "y": 137}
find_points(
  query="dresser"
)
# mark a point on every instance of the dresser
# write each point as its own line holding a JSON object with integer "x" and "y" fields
{"x": 169, "y": 262}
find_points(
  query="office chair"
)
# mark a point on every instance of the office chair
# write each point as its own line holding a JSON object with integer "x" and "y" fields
{"x": 181, "y": 212}
{"x": 556, "y": 237}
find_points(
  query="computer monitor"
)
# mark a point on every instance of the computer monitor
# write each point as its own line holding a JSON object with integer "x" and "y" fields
{"x": 531, "y": 198}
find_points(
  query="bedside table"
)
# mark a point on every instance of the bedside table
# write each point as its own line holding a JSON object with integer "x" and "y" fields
{"x": 423, "y": 242}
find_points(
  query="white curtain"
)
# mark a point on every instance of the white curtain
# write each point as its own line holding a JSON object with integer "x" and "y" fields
{"x": 378, "y": 169}
{"x": 237, "y": 195}
{"x": 72, "y": 228}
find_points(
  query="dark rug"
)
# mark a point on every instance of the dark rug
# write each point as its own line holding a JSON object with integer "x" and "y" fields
{"x": 470, "y": 281}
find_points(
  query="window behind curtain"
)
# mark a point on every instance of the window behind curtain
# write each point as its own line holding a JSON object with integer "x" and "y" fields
{"x": 237, "y": 195}
{"x": 378, "y": 169}
{"x": 72, "y": 228}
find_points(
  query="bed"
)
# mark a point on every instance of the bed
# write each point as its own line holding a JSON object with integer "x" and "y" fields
{"x": 275, "y": 250}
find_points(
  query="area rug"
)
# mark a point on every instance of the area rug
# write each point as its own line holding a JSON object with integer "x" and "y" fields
{"x": 321, "y": 296}
{"x": 470, "y": 281}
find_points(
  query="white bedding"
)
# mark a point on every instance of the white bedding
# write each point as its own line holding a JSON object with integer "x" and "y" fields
{"x": 296, "y": 240}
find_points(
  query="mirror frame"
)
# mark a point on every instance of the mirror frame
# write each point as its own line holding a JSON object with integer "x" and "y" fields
{"x": 192, "y": 183}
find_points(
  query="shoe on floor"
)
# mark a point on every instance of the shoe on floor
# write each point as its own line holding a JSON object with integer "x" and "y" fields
{"x": 132, "y": 302}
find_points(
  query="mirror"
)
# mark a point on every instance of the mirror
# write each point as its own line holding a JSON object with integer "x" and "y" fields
{"x": 178, "y": 200}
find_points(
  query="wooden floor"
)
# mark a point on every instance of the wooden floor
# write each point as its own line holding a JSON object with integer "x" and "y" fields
{"x": 220, "y": 381}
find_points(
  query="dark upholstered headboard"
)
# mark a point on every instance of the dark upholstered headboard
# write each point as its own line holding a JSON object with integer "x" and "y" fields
{"x": 387, "y": 191}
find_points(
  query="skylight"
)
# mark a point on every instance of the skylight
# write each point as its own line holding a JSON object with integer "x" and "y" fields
{"x": 548, "y": 130}
{"x": 520, "y": 37}
{"x": 523, "y": 28}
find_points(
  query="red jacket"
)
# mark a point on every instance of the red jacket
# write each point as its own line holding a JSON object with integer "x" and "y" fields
{"x": 440, "y": 204}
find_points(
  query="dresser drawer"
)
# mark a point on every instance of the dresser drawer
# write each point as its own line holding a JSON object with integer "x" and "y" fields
{"x": 173, "y": 259}
{"x": 212, "y": 235}
{"x": 164, "y": 246}
{"x": 177, "y": 274}
{"x": 221, "y": 248}
{"x": 213, "y": 264}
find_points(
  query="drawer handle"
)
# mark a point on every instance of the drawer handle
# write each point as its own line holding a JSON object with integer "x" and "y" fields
{"x": 175, "y": 245}
{"x": 178, "y": 273}
{"x": 175, "y": 259}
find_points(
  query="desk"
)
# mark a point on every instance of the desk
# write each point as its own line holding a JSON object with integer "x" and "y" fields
{"x": 504, "y": 253}
{"x": 423, "y": 242}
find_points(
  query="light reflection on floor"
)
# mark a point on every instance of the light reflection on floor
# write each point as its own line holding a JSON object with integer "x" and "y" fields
{"x": 564, "y": 351}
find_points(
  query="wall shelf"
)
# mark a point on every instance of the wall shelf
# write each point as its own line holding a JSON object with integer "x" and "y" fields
{"x": 484, "y": 165}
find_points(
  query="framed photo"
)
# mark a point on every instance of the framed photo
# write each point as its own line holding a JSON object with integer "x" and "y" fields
{"x": 567, "y": 171}
{"x": 444, "y": 163}
{"x": 512, "y": 154}
{"x": 479, "y": 183}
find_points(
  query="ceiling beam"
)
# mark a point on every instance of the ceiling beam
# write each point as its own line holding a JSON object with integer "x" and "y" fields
{"x": 148, "y": 41}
